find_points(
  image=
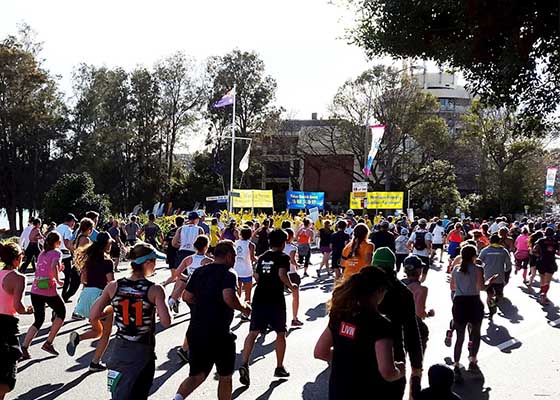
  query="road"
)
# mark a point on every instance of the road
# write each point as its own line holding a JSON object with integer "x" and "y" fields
{"x": 518, "y": 356}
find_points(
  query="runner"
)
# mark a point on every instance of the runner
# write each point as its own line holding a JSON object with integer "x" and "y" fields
{"x": 358, "y": 253}
{"x": 215, "y": 234}
{"x": 135, "y": 301}
{"x": 116, "y": 245}
{"x": 291, "y": 250}
{"x": 383, "y": 237}
{"x": 325, "y": 246}
{"x": 533, "y": 258}
{"x": 170, "y": 250}
{"x": 305, "y": 235}
{"x": 269, "y": 304}
{"x": 94, "y": 217}
{"x": 131, "y": 229}
{"x": 454, "y": 240}
{"x": 420, "y": 243}
{"x": 83, "y": 233}
{"x": 244, "y": 261}
{"x": 401, "y": 248}
{"x": 12, "y": 291}
{"x": 71, "y": 275}
{"x": 212, "y": 292}
{"x": 96, "y": 269}
{"x": 32, "y": 250}
{"x": 185, "y": 236}
{"x": 522, "y": 253}
{"x": 231, "y": 232}
{"x": 546, "y": 249}
{"x": 438, "y": 239}
{"x": 151, "y": 232}
{"x": 43, "y": 292}
{"x": 467, "y": 281}
{"x": 339, "y": 240}
{"x": 496, "y": 262}
{"x": 413, "y": 266}
{"x": 358, "y": 342}
{"x": 192, "y": 262}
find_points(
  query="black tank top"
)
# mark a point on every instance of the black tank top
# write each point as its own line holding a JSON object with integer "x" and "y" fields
{"x": 134, "y": 313}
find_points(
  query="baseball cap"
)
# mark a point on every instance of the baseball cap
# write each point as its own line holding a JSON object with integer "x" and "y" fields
{"x": 384, "y": 258}
{"x": 193, "y": 215}
{"x": 412, "y": 262}
{"x": 70, "y": 217}
{"x": 404, "y": 231}
{"x": 350, "y": 212}
{"x": 142, "y": 252}
{"x": 422, "y": 221}
{"x": 384, "y": 224}
{"x": 201, "y": 213}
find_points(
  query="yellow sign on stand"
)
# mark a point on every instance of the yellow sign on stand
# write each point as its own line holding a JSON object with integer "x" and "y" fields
{"x": 253, "y": 199}
{"x": 379, "y": 201}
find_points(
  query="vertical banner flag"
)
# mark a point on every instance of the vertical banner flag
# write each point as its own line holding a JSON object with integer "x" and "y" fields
{"x": 550, "y": 179}
{"x": 376, "y": 136}
{"x": 244, "y": 163}
{"x": 226, "y": 100}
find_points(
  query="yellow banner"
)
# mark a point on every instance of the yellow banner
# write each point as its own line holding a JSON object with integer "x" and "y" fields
{"x": 253, "y": 199}
{"x": 379, "y": 200}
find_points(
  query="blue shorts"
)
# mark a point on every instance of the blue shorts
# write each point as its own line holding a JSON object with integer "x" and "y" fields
{"x": 247, "y": 279}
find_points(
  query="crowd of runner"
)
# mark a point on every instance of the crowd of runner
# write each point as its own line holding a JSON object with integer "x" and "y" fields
{"x": 249, "y": 263}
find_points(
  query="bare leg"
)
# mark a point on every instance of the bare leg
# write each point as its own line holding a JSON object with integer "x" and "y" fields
{"x": 57, "y": 324}
{"x": 107, "y": 325}
{"x": 224, "y": 388}
{"x": 190, "y": 384}
{"x": 280, "y": 348}
{"x": 248, "y": 287}
{"x": 295, "y": 303}
{"x": 185, "y": 346}
{"x": 31, "y": 333}
{"x": 248, "y": 346}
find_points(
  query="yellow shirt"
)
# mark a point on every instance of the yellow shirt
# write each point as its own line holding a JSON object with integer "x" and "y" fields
{"x": 214, "y": 235}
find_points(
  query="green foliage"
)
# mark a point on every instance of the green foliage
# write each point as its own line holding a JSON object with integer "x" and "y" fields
{"x": 508, "y": 50}
{"x": 74, "y": 193}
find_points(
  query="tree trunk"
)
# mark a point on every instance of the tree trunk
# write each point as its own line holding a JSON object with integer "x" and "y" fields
{"x": 11, "y": 211}
{"x": 20, "y": 214}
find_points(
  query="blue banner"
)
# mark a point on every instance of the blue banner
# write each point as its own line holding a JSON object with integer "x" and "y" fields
{"x": 301, "y": 200}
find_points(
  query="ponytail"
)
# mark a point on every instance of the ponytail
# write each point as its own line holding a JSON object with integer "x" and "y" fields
{"x": 361, "y": 232}
{"x": 468, "y": 252}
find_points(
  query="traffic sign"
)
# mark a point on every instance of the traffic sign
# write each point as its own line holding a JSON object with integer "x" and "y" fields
{"x": 359, "y": 189}
{"x": 217, "y": 198}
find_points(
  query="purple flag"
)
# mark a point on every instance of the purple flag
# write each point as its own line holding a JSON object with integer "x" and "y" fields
{"x": 226, "y": 100}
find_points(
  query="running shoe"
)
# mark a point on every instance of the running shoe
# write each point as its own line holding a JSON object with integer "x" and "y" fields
{"x": 543, "y": 300}
{"x": 73, "y": 342}
{"x": 244, "y": 377}
{"x": 24, "y": 354}
{"x": 297, "y": 322}
{"x": 49, "y": 348}
{"x": 305, "y": 275}
{"x": 281, "y": 372}
{"x": 97, "y": 367}
{"x": 457, "y": 375}
{"x": 183, "y": 355}
{"x": 448, "y": 337}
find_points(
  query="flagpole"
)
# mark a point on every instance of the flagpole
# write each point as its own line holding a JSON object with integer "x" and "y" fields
{"x": 232, "y": 149}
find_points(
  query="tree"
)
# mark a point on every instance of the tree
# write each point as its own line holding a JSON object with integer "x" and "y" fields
{"x": 74, "y": 193}
{"x": 31, "y": 119}
{"x": 508, "y": 50}
{"x": 255, "y": 115}
{"x": 507, "y": 155}
{"x": 414, "y": 135}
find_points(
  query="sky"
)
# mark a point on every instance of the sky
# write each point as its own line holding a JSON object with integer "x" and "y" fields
{"x": 300, "y": 41}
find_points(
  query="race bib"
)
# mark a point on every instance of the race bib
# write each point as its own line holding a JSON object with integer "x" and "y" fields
{"x": 113, "y": 378}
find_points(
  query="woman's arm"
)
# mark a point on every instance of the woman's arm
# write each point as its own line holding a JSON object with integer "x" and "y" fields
{"x": 54, "y": 268}
{"x": 369, "y": 254}
{"x": 103, "y": 301}
{"x": 324, "y": 346}
{"x": 158, "y": 298}
{"x": 389, "y": 370}
{"x": 252, "y": 252}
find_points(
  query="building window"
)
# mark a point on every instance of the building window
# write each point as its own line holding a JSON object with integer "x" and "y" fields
{"x": 447, "y": 104}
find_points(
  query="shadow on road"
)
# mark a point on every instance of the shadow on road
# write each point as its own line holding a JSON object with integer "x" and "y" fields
{"x": 497, "y": 335}
{"x": 273, "y": 385}
{"x": 509, "y": 311}
{"x": 171, "y": 366}
{"x": 319, "y": 311}
{"x": 32, "y": 362}
{"x": 472, "y": 388}
{"x": 319, "y": 389}
{"x": 53, "y": 391}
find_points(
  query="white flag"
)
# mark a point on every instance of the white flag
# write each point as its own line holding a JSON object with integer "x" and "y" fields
{"x": 244, "y": 163}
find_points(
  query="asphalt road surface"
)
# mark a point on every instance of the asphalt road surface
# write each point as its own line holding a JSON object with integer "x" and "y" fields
{"x": 519, "y": 354}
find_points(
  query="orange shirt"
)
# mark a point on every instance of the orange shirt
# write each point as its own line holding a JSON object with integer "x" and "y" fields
{"x": 304, "y": 235}
{"x": 358, "y": 261}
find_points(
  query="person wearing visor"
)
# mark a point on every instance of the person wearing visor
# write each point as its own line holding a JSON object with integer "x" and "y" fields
{"x": 135, "y": 301}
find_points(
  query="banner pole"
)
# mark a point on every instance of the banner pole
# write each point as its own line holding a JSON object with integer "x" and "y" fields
{"x": 232, "y": 147}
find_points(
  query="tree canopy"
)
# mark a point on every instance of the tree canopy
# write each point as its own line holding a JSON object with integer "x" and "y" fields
{"x": 508, "y": 49}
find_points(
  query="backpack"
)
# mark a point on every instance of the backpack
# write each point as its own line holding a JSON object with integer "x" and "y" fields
{"x": 420, "y": 241}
